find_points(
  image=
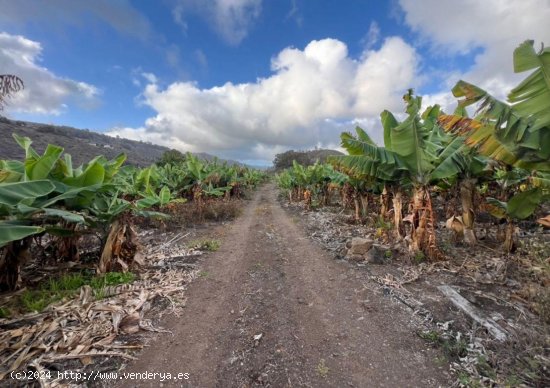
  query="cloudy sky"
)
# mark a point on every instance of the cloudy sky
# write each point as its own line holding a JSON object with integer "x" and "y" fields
{"x": 246, "y": 79}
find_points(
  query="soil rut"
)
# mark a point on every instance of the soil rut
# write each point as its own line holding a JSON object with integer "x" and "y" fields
{"x": 320, "y": 323}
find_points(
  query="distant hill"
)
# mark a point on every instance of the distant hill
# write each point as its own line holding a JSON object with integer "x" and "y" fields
{"x": 82, "y": 144}
{"x": 305, "y": 158}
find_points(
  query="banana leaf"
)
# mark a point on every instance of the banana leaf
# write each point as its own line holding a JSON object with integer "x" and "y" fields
{"x": 14, "y": 231}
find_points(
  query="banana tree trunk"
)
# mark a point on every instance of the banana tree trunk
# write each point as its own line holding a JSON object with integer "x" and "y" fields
{"x": 397, "y": 201}
{"x": 384, "y": 202}
{"x": 307, "y": 199}
{"x": 66, "y": 248}
{"x": 364, "y": 205}
{"x": 12, "y": 257}
{"x": 198, "y": 199}
{"x": 467, "y": 191}
{"x": 510, "y": 237}
{"x": 324, "y": 195}
{"x": 120, "y": 247}
{"x": 423, "y": 236}
{"x": 357, "y": 208}
{"x": 347, "y": 195}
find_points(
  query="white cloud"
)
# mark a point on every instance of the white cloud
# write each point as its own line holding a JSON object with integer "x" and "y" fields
{"x": 312, "y": 96}
{"x": 150, "y": 77}
{"x": 372, "y": 36}
{"x": 45, "y": 92}
{"x": 232, "y": 19}
{"x": 120, "y": 14}
{"x": 295, "y": 14}
{"x": 494, "y": 27}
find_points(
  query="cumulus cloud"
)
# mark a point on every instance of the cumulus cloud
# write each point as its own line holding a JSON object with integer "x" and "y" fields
{"x": 492, "y": 27}
{"x": 121, "y": 15}
{"x": 231, "y": 19}
{"x": 312, "y": 95}
{"x": 45, "y": 92}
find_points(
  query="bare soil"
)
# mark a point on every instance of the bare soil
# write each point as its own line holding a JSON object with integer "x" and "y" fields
{"x": 272, "y": 308}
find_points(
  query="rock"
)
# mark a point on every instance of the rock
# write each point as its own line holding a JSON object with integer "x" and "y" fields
{"x": 355, "y": 258}
{"x": 377, "y": 254}
{"x": 360, "y": 246}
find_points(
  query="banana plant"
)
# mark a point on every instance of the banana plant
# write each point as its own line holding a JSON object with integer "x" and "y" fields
{"x": 21, "y": 217}
{"x": 516, "y": 133}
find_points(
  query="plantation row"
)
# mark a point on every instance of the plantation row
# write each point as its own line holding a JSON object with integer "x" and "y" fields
{"x": 497, "y": 161}
{"x": 47, "y": 204}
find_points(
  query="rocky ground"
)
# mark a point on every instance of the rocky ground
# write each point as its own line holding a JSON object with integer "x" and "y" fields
{"x": 509, "y": 292}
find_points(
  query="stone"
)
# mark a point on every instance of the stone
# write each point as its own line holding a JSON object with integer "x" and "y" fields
{"x": 377, "y": 254}
{"x": 360, "y": 246}
{"x": 355, "y": 258}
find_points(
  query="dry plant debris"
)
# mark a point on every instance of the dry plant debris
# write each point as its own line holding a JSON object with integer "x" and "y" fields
{"x": 87, "y": 327}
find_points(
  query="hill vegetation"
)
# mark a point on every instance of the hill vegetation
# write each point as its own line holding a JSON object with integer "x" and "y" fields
{"x": 305, "y": 158}
{"x": 82, "y": 144}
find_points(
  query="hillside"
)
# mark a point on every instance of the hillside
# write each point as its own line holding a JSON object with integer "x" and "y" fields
{"x": 306, "y": 158}
{"x": 82, "y": 144}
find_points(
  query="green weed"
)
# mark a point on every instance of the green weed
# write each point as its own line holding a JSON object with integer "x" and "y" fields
{"x": 4, "y": 312}
{"x": 111, "y": 279}
{"x": 67, "y": 286}
{"x": 205, "y": 245}
{"x": 419, "y": 257}
{"x": 322, "y": 369}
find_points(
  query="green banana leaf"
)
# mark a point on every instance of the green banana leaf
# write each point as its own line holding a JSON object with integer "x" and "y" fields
{"x": 12, "y": 194}
{"x": 14, "y": 231}
{"x": 40, "y": 168}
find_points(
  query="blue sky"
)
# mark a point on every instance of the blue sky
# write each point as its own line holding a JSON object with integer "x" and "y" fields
{"x": 246, "y": 79}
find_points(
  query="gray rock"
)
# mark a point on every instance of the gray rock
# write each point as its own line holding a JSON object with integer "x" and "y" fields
{"x": 377, "y": 254}
{"x": 360, "y": 246}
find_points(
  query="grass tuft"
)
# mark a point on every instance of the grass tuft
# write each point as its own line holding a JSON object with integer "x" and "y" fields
{"x": 67, "y": 286}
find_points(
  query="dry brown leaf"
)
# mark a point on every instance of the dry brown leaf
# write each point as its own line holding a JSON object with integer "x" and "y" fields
{"x": 545, "y": 221}
{"x": 130, "y": 323}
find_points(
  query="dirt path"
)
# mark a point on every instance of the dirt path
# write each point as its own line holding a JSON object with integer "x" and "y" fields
{"x": 321, "y": 325}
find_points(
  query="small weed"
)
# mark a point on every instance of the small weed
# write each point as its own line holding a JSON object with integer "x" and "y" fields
{"x": 205, "y": 245}
{"x": 66, "y": 283}
{"x": 440, "y": 360}
{"x": 4, "y": 312}
{"x": 485, "y": 369}
{"x": 419, "y": 257}
{"x": 67, "y": 286}
{"x": 99, "y": 293}
{"x": 512, "y": 381}
{"x": 37, "y": 300}
{"x": 112, "y": 279}
{"x": 380, "y": 223}
{"x": 322, "y": 369}
{"x": 454, "y": 349}
{"x": 204, "y": 274}
{"x": 388, "y": 254}
{"x": 431, "y": 336}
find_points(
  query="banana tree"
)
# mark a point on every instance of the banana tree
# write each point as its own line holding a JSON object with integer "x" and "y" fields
{"x": 415, "y": 152}
{"x": 516, "y": 133}
{"x": 372, "y": 168}
{"x": 22, "y": 216}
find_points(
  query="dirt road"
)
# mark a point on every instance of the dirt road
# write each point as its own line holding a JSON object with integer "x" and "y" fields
{"x": 317, "y": 322}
